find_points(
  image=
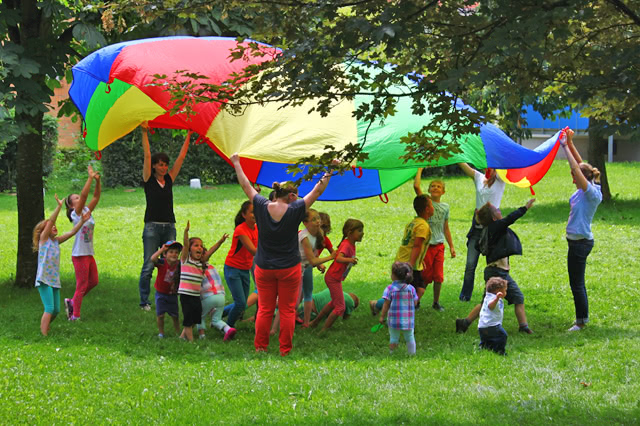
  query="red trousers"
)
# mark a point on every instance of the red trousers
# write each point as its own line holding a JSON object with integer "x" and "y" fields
{"x": 86, "y": 279}
{"x": 276, "y": 286}
{"x": 337, "y": 296}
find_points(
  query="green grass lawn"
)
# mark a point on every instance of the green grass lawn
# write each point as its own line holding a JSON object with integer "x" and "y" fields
{"x": 111, "y": 368}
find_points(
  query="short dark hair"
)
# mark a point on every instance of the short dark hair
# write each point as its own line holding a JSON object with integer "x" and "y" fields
{"x": 421, "y": 204}
{"x": 485, "y": 215}
{"x": 158, "y": 157}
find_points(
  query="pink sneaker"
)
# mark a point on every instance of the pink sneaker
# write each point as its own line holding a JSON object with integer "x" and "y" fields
{"x": 230, "y": 334}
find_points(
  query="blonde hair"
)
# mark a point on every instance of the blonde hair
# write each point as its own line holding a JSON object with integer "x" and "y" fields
{"x": 37, "y": 231}
{"x": 441, "y": 182}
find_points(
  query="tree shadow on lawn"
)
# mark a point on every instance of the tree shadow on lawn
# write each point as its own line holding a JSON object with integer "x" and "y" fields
{"x": 620, "y": 212}
{"x": 112, "y": 320}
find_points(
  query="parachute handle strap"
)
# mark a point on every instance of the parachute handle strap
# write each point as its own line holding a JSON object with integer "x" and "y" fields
{"x": 98, "y": 155}
{"x": 83, "y": 128}
{"x": 256, "y": 186}
{"x": 359, "y": 175}
{"x": 108, "y": 88}
{"x": 385, "y": 199}
{"x": 532, "y": 191}
{"x": 200, "y": 140}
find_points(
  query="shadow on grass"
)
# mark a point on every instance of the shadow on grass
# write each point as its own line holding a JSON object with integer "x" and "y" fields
{"x": 113, "y": 321}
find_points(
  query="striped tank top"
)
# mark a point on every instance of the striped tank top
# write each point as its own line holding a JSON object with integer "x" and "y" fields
{"x": 191, "y": 275}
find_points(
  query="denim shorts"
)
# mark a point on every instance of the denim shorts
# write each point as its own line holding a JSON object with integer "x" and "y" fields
{"x": 514, "y": 295}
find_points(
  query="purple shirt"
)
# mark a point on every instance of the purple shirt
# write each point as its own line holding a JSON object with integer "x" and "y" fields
{"x": 402, "y": 310}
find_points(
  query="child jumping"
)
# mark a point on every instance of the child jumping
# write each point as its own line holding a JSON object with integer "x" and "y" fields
{"x": 47, "y": 243}
{"x": 352, "y": 232}
{"x": 499, "y": 243}
{"x": 166, "y": 285}
{"x": 82, "y": 252}
{"x": 433, "y": 265}
{"x": 400, "y": 300}
{"x": 492, "y": 335}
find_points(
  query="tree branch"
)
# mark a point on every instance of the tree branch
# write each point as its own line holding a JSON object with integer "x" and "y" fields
{"x": 618, "y": 4}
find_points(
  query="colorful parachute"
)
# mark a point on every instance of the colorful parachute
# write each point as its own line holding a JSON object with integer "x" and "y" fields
{"x": 112, "y": 90}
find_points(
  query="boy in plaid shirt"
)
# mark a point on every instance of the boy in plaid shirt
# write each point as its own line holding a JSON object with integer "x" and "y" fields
{"x": 400, "y": 300}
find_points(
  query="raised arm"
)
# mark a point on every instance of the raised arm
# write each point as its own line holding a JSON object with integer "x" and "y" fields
{"x": 214, "y": 248}
{"x": 467, "y": 170}
{"x": 146, "y": 166}
{"x": 492, "y": 305}
{"x": 85, "y": 192}
{"x": 417, "y": 180}
{"x": 317, "y": 190}
{"x": 46, "y": 232}
{"x": 243, "y": 180}
{"x": 177, "y": 165}
{"x": 160, "y": 251}
{"x": 64, "y": 237}
{"x": 96, "y": 192}
{"x": 574, "y": 162}
{"x": 185, "y": 244}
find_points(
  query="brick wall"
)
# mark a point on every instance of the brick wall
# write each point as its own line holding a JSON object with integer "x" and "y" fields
{"x": 68, "y": 131}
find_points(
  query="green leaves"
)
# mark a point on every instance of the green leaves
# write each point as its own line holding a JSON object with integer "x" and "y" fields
{"x": 89, "y": 34}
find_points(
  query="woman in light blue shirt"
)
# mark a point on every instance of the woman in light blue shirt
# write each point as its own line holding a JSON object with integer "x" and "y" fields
{"x": 584, "y": 203}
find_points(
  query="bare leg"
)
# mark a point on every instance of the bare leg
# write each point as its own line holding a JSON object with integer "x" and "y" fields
{"x": 323, "y": 313}
{"x": 308, "y": 307}
{"x": 475, "y": 312}
{"x": 275, "y": 326}
{"x": 176, "y": 324}
{"x": 160, "y": 321}
{"x": 330, "y": 320}
{"x": 436, "y": 292}
{"x": 46, "y": 320}
{"x": 420, "y": 293}
{"x": 520, "y": 315}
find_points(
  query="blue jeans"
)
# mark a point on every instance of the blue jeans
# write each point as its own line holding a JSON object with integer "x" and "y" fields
{"x": 576, "y": 264}
{"x": 307, "y": 284}
{"x": 472, "y": 262}
{"x": 493, "y": 338}
{"x": 153, "y": 237}
{"x": 239, "y": 283}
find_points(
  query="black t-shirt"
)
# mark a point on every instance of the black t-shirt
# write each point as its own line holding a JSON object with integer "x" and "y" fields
{"x": 159, "y": 200}
{"x": 277, "y": 241}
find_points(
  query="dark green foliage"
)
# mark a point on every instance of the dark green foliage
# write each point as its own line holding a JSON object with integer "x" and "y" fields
{"x": 9, "y": 152}
{"x": 122, "y": 161}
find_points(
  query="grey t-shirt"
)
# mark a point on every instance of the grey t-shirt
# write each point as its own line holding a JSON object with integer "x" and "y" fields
{"x": 277, "y": 241}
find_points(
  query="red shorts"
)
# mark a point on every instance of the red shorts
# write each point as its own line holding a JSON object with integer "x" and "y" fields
{"x": 433, "y": 264}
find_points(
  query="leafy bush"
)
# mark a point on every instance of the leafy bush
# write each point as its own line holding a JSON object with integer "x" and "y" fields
{"x": 122, "y": 161}
{"x": 9, "y": 150}
{"x": 70, "y": 164}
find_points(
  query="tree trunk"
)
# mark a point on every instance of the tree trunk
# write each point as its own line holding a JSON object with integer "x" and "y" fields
{"x": 30, "y": 198}
{"x": 597, "y": 155}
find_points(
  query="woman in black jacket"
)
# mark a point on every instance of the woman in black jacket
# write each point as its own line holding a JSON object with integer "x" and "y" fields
{"x": 497, "y": 243}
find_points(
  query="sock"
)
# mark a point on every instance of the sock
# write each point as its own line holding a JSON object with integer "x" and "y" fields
{"x": 225, "y": 328}
{"x": 411, "y": 347}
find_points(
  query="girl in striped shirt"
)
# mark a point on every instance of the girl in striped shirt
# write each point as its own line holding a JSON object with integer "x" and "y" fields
{"x": 192, "y": 269}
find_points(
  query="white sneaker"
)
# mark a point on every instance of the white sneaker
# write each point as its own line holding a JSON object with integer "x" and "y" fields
{"x": 160, "y": 335}
{"x": 146, "y": 308}
{"x": 575, "y": 327}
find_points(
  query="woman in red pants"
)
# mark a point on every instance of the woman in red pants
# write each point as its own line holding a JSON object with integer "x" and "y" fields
{"x": 277, "y": 258}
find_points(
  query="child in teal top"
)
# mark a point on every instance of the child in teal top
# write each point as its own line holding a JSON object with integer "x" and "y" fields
{"x": 47, "y": 243}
